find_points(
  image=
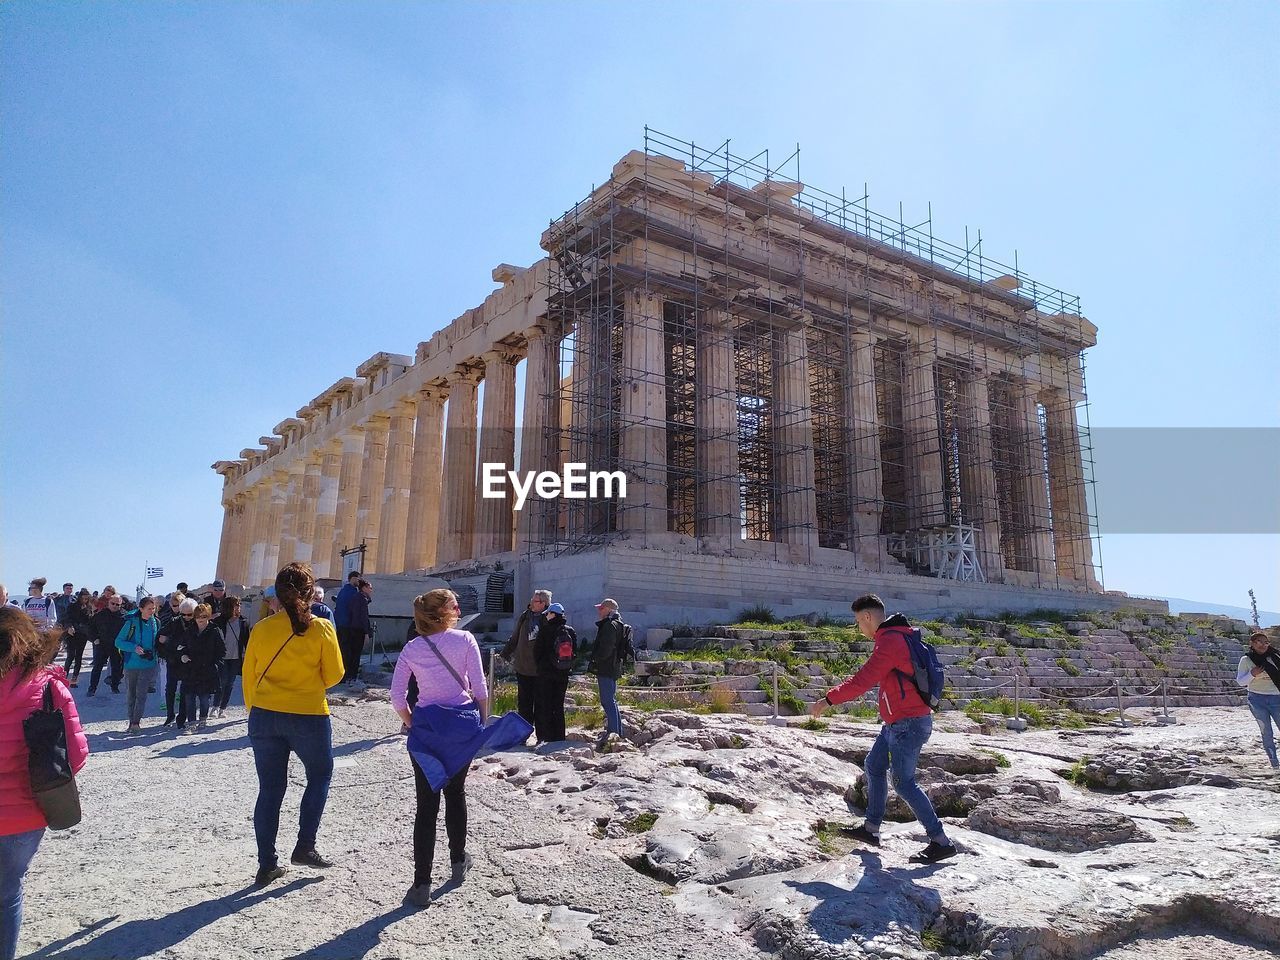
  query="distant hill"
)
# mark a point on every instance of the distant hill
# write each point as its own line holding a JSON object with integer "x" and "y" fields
{"x": 1178, "y": 605}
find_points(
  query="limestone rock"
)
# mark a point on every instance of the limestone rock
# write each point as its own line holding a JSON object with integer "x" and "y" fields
{"x": 1053, "y": 826}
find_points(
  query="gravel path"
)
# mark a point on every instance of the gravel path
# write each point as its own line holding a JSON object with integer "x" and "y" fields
{"x": 162, "y": 864}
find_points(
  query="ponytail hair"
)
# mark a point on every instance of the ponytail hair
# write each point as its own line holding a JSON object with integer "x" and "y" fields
{"x": 434, "y": 612}
{"x": 295, "y": 586}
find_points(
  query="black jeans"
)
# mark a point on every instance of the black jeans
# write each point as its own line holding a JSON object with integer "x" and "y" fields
{"x": 75, "y": 656}
{"x": 527, "y": 700}
{"x": 551, "y": 690}
{"x": 228, "y": 670}
{"x": 105, "y": 652}
{"x": 171, "y": 697}
{"x": 424, "y": 822}
{"x": 351, "y": 641}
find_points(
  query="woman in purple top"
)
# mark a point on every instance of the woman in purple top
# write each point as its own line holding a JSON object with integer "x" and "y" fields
{"x": 452, "y": 708}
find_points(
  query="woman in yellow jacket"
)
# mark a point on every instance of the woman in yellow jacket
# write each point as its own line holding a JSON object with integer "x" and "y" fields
{"x": 291, "y": 660}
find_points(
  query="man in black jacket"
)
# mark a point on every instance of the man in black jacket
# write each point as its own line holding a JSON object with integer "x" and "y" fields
{"x": 519, "y": 653}
{"x": 608, "y": 660}
{"x": 104, "y": 627}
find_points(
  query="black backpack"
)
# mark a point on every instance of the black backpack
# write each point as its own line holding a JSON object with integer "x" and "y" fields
{"x": 626, "y": 646}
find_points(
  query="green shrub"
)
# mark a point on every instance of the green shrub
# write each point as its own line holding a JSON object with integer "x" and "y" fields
{"x": 1003, "y": 706}
{"x": 757, "y": 614}
{"x": 812, "y": 723}
{"x": 640, "y": 823}
{"x": 502, "y": 699}
{"x": 1068, "y": 667}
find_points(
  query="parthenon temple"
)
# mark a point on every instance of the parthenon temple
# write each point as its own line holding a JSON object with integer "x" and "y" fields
{"x": 806, "y": 398}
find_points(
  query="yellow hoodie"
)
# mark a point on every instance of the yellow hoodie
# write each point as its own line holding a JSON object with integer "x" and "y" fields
{"x": 307, "y": 666}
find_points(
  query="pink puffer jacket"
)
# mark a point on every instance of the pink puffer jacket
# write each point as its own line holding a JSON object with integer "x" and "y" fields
{"x": 18, "y": 700}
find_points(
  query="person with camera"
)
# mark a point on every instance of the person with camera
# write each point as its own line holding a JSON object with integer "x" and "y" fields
{"x": 137, "y": 641}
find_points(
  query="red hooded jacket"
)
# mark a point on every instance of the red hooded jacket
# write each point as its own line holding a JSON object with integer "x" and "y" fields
{"x": 889, "y": 667}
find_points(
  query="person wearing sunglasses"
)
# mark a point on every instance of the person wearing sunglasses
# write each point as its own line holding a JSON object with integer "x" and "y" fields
{"x": 104, "y": 627}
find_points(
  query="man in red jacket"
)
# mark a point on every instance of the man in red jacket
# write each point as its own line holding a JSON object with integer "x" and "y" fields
{"x": 908, "y": 722}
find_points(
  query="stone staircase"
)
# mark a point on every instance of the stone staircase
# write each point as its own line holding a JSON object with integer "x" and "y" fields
{"x": 1155, "y": 659}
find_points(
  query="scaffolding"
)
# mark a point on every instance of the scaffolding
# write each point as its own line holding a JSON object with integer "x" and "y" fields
{"x": 786, "y": 373}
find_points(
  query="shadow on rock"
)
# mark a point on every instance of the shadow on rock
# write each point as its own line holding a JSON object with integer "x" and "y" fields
{"x": 155, "y": 935}
{"x": 883, "y": 900}
{"x": 357, "y": 941}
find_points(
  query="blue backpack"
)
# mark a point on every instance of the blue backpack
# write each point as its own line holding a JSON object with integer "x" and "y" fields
{"x": 929, "y": 678}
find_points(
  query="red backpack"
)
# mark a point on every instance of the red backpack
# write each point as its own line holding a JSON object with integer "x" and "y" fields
{"x": 564, "y": 650}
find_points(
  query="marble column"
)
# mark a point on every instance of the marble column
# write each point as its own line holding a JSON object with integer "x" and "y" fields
{"x": 540, "y": 431}
{"x": 1038, "y": 541}
{"x": 242, "y": 537}
{"x": 223, "y": 565}
{"x": 863, "y": 418}
{"x": 643, "y": 440}
{"x": 344, "y": 528}
{"x": 327, "y": 510}
{"x": 273, "y": 526}
{"x": 978, "y": 476}
{"x": 259, "y": 505}
{"x": 395, "y": 488}
{"x": 796, "y": 517}
{"x": 497, "y": 445}
{"x": 305, "y": 511}
{"x": 289, "y": 516}
{"x": 1068, "y": 493}
{"x": 719, "y": 511}
{"x": 457, "y": 525}
{"x": 923, "y": 441}
{"x": 372, "y": 473}
{"x": 423, "y": 526}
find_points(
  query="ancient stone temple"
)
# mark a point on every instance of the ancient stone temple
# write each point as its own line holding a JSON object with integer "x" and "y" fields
{"x": 806, "y": 400}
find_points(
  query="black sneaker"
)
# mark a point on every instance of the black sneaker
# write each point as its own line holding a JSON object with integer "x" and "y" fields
{"x": 861, "y": 834}
{"x": 419, "y": 895}
{"x": 268, "y": 875}
{"x": 460, "y": 868}
{"x": 934, "y": 852}
{"x": 309, "y": 858}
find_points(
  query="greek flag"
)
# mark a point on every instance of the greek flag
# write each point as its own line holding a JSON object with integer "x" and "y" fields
{"x": 153, "y": 572}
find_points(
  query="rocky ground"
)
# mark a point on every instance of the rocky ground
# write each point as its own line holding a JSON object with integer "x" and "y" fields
{"x": 709, "y": 836}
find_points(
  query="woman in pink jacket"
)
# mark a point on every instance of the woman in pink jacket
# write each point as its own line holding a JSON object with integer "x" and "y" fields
{"x": 25, "y": 655}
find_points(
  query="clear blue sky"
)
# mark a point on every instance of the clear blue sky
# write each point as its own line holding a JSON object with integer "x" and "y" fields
{"x": 210, "y": 212}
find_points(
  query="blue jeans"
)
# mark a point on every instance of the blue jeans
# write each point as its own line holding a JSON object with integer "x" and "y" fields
{"x": 898, "y": 749}
{"x": 273, "y": 737}
{"x": 16, "y": 851}
{"x": 609, "y": 701}
{"x": 1265, "y": 708}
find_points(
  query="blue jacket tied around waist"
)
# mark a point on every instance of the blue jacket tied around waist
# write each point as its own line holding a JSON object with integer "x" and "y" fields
{"x": 444, "y": 740}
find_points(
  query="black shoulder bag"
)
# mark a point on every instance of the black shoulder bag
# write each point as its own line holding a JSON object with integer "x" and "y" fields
{"x": 53, "y": 782}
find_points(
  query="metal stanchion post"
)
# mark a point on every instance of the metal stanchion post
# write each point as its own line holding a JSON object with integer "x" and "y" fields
{"x": 1120, "y": 704}
{"x": 776, "y": 719}
{"x": 1016, "y": 722}
{"x": 1165, "y": 719}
